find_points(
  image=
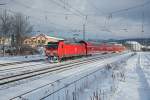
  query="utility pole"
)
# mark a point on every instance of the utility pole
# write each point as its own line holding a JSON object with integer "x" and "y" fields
{"x": 84, "y": 28}
{"x": 142, "y": 32}
{"x": 142, "y": 22}
{"x": 84, "y": 32}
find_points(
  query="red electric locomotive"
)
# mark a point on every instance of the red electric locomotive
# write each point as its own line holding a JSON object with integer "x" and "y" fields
{"x": 58, "y": 50}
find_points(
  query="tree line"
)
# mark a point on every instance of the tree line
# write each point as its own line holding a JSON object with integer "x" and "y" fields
{"x": 14, "y": 27}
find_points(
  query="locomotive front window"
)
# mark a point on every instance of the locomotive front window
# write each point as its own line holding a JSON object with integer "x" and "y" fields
{"x": 53, "y": 45}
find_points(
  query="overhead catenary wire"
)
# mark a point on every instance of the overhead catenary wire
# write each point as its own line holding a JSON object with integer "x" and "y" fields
{"x": 76, "y": 12}
{"x": 67, "y": 7}
{"x": 37, "y": 19}
{"x": 121, "y": 10}
{"x": 41, "y": 10}
{"x": 47, "y": 12}
{"x": 131, "y": 8}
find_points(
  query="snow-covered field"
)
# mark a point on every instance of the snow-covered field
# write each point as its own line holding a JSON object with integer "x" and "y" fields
{"x": 121, "y": 77}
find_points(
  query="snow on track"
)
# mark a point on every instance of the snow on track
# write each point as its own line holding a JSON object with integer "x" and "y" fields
{"x": 46, "y": 69}
{"x": 23, "y": 68}
{"x": 5, "y": 60}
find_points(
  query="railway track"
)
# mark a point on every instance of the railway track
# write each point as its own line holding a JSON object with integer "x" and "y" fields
{"x": 20, "y": 62}
{"x": 47, "y": 69}
{"x": 22, "y": 95}
{"x": 147, "y": 57}
{"x": 20, "y": 68}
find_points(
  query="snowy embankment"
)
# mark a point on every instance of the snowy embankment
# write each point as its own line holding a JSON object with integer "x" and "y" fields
{"x": 137, "y": 79}
{"x": 66, "y": 85}
{"x": 13, "y": 59}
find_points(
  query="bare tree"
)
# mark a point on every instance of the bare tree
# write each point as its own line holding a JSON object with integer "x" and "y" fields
{"x": 5, "y": 26}
{"x": 21, "y": 28}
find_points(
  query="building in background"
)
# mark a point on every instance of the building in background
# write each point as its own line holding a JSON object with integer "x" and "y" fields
{"x": 40, "y": 40}
{"x": 4, "y": 42}
{"x": 133, "y": 45}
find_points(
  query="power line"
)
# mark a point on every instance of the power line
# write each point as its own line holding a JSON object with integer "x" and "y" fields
{"x": 66, "y": 5}
{"x": 41, "y": 10}
{"x": 73, "y": 8}
{"x": 117, "y": 11}
{"x": 66, "y": 8}
{"x": 37, "y": 19}
{"x": 130, "y": 8}
{"x": 79, "y": 13}
{"x": 123, "y": 10}
{"x": 94, "y": 6}
{"x": 46, "y": 12}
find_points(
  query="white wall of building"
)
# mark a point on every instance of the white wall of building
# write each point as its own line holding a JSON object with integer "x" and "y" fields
{"x": 133, "y": 45}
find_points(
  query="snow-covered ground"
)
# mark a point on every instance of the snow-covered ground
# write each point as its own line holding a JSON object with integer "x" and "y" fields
{"x": 137, "y": 79}
{"x": 121, "y": 77}
{"x": 24, "y": 67}
{"x": 12, "y": 59}
{"x": 30, "y": 66}
{"x": 57, "y": 82}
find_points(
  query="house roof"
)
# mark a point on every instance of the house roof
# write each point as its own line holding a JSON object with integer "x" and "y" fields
{"x": 46, "y": 36}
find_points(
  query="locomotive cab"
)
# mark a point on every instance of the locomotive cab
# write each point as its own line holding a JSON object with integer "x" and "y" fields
{"x": 52, "y": 51}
